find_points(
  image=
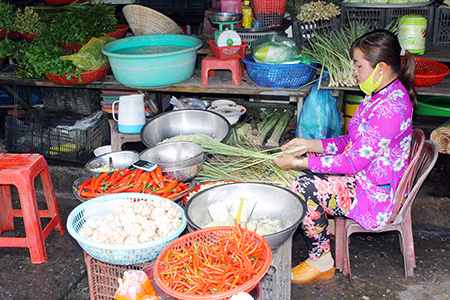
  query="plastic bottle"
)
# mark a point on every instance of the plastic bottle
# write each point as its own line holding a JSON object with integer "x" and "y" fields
{"x": 247, "y": 18}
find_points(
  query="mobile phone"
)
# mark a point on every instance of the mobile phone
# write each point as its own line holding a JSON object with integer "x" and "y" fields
{"x": 145, "y": 165}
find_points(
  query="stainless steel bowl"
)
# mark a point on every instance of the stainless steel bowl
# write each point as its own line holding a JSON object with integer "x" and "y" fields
{"x": 223, "y": 17}
{"x": 184, "y": 173}
{"x": 273, "y": 202}
{"x": 174, "y": 155}
{"x": 112, "y": 161}
{"x": 184, "y": 121}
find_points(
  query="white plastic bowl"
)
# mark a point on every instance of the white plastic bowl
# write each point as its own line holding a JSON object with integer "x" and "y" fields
{"x": 232, "y": 112}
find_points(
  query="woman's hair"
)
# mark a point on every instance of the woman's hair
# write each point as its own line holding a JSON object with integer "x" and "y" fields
{"x": 382, "y": 46}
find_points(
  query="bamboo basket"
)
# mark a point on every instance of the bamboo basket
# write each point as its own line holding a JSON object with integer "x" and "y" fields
{"x": 144, "y": 20}
{"x": 441, "y": 137}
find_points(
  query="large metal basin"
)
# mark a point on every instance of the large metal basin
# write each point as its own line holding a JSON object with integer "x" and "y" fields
{"x": 272, "y": 201}
{"x": 185, "y": 121}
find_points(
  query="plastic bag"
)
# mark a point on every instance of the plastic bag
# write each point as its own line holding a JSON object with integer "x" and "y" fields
{"x": 275, "y": 49}
{"x": 183, "y": 103}
{"x": 90, "y": 56}
{"x": 84, "y": 123}
{"x": 319, "y": 117}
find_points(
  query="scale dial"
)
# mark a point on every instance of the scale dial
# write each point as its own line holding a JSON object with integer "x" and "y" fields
{"x": 228, "y": 38}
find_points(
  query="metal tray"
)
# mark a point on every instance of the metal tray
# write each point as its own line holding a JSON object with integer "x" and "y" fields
{"x": 85, "y": 177}
{"x": 118, "y": 159}
{"x": 285, "y": 25}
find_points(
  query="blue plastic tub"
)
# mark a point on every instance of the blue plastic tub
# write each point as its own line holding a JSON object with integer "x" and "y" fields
{"x": 153, "y": 60}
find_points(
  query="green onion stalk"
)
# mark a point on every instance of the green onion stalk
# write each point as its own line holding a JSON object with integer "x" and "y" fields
{"x": 274, "y": 139}
{"x": 331, "y": 51}
{"x": 242, "y": 162}
{"x": 227, "y": 167}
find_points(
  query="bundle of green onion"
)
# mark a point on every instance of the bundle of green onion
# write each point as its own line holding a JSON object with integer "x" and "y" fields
{"x": 331, "y": 51}
{"x": 243, "y": 162}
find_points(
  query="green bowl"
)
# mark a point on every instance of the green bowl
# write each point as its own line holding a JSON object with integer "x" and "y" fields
{"x": 434, "y": 106}
{"x": 155, "y": 60}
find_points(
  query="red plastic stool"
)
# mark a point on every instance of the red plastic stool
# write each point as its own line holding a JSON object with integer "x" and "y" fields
{"x": 211, "y": 63}
{"x": 21, "y": 170}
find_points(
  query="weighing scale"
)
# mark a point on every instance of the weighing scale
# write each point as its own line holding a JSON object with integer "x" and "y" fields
{"x": 226, "y": 36}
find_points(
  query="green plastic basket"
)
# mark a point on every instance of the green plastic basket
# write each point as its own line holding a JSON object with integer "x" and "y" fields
{"x": 434, "y": 106}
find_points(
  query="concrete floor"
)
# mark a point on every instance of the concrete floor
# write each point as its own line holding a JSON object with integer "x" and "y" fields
{"x": 376, "y": 260}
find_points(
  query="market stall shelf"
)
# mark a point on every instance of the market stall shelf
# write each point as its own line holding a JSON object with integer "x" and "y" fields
{"x": 219, "y": 84}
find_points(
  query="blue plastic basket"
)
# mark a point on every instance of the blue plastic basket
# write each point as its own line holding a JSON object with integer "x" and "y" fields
{"x": 121, "y": 254}
{"x": 279, "y": 76}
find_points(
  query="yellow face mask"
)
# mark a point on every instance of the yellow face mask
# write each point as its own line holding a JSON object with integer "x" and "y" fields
{"x": 368, "y": 86}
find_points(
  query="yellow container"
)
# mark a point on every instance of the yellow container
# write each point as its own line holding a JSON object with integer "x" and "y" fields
{"x": 351, "y": 104}
{"x": 69, "y": 147}
{"x": 346, "y": 119}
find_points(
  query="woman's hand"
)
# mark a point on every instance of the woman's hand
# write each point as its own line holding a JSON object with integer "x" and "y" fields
{"x": 291, "y": 161}
{"x": 311, "y": 145}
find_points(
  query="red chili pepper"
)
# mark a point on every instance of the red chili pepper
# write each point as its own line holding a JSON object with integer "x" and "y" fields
{"x": 119, "y": 189}
{"x": 141, "y": 178}
{"x": 123, "y": 181}
{"x": 135, "y": 189}
{"x": 115, "y": 174}
{"x": 166, "y": 188}
{"x": 89, "y": 194}
{"x": 98, "y": 181}
{"x": 209, "y": 267}
{"x": 84, "y": 184}
{"x": 155, "y": 178}
{"x": 158, "y": 173}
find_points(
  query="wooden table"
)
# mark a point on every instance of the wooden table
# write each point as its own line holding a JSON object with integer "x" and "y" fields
{"x": 221, "y": 84}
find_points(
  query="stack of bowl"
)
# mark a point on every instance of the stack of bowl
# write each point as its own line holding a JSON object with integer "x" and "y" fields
{"x": 179, "y": 160}
{"x": 228, "y": 109}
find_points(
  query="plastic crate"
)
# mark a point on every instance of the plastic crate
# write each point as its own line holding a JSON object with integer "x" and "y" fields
{"x": 441, "y": 32}
{"x": 270, "y": 12}
{"x": 103, "y": 277}
{"x": 384, "y": 14}
{"x": 302, "y": 32}
{"x": 80, "y": 101}
{"x": 178, "y": 7}
{"x": 375, "y": 16}
{"x": 276, "y": 284}
{"x": 248, "y": 37}
{"x": 36, "y": 132}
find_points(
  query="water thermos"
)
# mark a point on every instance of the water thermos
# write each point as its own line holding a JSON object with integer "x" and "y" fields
{"x": 412, "y": 32}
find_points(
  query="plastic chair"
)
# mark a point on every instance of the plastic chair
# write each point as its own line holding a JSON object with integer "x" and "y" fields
{"x": 211, "y": 63}
{"x": 21, "y": 170}
{"x": 417, "y": 142}
{"x": 422, "y": 161}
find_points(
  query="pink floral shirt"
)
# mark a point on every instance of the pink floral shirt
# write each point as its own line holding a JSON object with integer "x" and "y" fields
{"x": 375, "y": 151}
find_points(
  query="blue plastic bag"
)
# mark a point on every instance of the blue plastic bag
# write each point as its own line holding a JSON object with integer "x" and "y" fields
{"x": 319, "y": 117}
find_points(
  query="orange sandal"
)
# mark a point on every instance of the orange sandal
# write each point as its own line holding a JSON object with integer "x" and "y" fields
{"x": 304, "y": 273}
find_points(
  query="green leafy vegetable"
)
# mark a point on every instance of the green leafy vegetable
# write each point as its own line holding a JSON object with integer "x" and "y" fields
{"x": 7, "y": 47}
{"x": 78, "y": 25}
{"x": 27, "y": 21}
{"x": 7, "y": 13}
{"x": 42, "y": 56}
